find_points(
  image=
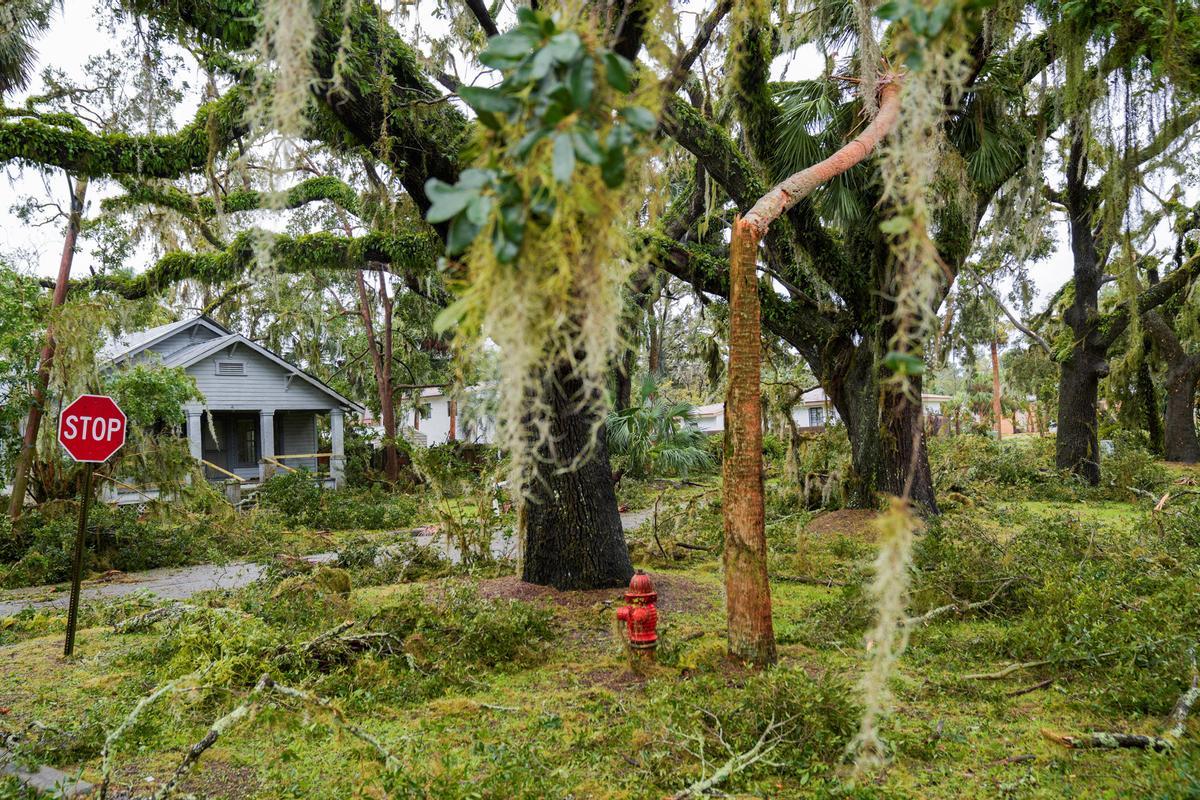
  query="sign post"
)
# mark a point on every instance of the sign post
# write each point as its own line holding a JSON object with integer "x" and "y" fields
{"x": 91, "y": 429}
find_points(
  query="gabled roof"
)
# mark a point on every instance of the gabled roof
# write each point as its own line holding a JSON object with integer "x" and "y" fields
{"x": 130, "y": 344}
{"x": 198, "y": 351}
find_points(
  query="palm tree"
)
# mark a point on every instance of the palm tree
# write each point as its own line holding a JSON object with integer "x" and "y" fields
{"x": 657, "y": 437}
{"x": 20, "y": 22}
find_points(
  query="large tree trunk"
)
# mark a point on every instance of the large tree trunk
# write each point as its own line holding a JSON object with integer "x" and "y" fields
{"x": 572, "y": 533}
{"x": 1077, "y": 443}
{"x": 747, "y": 593}
{"x": 1183, "y": 374}
{"x": 33, "y": 421}
{"x": 1180, "y": 442}
{"x": 904, "y": 463}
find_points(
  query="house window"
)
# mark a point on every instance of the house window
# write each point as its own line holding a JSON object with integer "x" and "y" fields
{"x": 247, "y": 442}
{"x": 231, "y": 368}
{"x": 816, "y": 417}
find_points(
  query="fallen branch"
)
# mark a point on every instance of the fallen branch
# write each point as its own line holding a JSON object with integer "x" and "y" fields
{"x": 1028, "y": 689}
{"x": 737, "y": 762}
{"x": 1108, "y": 740}
{"x": 119, "y": 731}
{"x": 267, "y": 685}
{"x": 955, "y": 607}
{"x": 150, "y": 618}
{"x": 1017, "y": 667}
{"x": 825, "y": 582}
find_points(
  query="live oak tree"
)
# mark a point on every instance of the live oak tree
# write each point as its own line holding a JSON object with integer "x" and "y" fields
{"x": 835, "y": 262}
{"x": 370, "y": 94}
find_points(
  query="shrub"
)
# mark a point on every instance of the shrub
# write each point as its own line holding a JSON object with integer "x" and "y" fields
{"x": 295, "y": 495}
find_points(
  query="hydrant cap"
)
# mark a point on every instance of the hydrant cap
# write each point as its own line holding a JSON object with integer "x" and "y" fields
{"x": 640, "y": 588}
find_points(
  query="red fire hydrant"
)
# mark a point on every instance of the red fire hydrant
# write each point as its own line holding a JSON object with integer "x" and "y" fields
{"x": 640, "y": 617}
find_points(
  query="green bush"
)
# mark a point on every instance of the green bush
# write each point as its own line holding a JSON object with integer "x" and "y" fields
{"x": 295, "y": 495}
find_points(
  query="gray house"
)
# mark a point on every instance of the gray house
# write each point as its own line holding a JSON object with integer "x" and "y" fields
{"x": 259, "y": 412}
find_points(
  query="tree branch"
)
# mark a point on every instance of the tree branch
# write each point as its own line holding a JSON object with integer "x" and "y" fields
{"x": 683, "y": 66}
{"x": 48, "y": 142}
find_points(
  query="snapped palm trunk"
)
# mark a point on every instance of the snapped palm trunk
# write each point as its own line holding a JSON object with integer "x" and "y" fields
{"x": 747, "y": 591}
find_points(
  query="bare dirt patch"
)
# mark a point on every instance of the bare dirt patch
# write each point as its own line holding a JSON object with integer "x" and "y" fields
{"x": 675, "y": 593}
{"x": 854, "y": 522}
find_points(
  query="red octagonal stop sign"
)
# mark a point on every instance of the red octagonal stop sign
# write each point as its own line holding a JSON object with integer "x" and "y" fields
{"x": 92, "y": 428}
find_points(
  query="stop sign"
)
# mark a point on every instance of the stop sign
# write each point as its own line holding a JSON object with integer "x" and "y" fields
{"x": 92, "y": 428}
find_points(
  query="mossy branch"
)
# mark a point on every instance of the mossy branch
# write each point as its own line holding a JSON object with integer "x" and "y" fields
{"x": 1113, "y": 324}
{"x": 312, "y": 190}
{"x": 400, "y": 253}
{"x": 46, "y": 141}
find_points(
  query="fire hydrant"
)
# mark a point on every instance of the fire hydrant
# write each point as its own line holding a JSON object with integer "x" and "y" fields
{"x": 640, "y": 617}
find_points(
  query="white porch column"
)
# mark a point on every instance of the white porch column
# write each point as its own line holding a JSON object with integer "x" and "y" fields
{"x": 266, "y": 432}
{"x": 337, "y": 436}
{"x": 195, "y": 430}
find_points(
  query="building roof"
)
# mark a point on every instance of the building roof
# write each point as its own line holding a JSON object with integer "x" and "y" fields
{"x": 131, "y": 344}
{"x": 134, "y": 342}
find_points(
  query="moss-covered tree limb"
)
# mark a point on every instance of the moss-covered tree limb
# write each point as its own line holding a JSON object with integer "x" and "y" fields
{"x": 312, "y": 190}
{"x": 43, "y": 141}
{"x": 1113, "y": 324}
{"x": 409, "y": 253}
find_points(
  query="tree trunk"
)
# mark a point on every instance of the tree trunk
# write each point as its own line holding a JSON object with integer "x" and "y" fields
{"x": 904, "y": 463}
{"x": 572, "y": 533}
{"x": 33, "y": 421}
{"x": 854, "y": 387}
{"x": 383, "y": 384}
{"x": 1180, "y": 442}
{"x": 997, "y": 413}
{"x": 1077, "y": 445}
{"x": 1148, "y": 399}
{"x": 747, "y": 592}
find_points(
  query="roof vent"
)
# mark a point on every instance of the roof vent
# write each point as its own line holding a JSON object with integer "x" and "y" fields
{"x": 231, "y": 368}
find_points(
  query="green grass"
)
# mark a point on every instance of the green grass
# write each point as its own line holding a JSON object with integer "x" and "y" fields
{"x": 561, "y": 714}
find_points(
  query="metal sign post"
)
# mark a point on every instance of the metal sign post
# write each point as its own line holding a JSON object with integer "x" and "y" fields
{"x": 91, "y": 429}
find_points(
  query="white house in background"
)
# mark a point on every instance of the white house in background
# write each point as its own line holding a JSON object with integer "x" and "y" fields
{"x": 439, "y": 407}
{"x": 444, "y": 417}
{"x": 811, "y": 414}
{"x": 259, "y": 412}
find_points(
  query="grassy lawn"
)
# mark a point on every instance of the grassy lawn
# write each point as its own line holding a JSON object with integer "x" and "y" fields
{"x": 498, "y": 689}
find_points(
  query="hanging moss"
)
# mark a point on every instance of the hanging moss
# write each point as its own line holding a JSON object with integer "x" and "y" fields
{"x": 308, "y": 191}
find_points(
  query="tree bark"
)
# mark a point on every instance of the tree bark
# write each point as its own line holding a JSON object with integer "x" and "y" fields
{"x": 33, "y": 420}
{"x": 1180, "y": 442}
{"x": 383, "y": 383}
{"x": 1148, "y": 399}
{"x": 571, "y": 529}
{"x": 747, "y": 592}
{"x": 904, "y": 464}
{"x": 996, "y": 409}
{"x": 1077, "y": 446}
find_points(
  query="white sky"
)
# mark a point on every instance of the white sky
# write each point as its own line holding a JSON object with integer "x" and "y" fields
{"x": 78, "y": 34}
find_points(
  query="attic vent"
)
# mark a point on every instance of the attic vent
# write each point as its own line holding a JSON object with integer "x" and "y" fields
{"x": 231, "y": 368}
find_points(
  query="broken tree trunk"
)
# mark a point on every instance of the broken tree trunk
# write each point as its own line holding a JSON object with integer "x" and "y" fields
{"x": 747, "y": 591}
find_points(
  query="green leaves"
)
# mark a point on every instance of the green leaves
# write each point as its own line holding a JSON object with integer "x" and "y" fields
{"x": 551, "y": 89}
{"x": 904, "y": 363}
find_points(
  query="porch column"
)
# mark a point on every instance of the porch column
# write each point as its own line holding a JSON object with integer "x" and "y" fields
{"x": 195, "y": 430}
{"x": 337, "y": 438}
{"x": 266, "y": 432}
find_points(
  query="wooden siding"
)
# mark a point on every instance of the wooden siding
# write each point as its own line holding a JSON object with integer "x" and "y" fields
{"x": 265, "y": 385}
{"x": 297, "y": 433}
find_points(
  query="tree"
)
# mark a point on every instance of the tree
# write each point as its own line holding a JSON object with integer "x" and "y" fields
{"x": 355, "y": 111}
{"x": 656, "y": 436}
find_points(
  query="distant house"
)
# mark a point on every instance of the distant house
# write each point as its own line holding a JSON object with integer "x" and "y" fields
{"x": 814, "y": 411}
{"x": 259, "y": 412}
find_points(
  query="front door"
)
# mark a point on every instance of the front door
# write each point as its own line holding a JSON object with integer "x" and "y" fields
{"x": 231, "y": 442}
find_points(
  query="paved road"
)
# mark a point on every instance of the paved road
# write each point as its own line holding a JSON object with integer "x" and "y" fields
{"x": 179, "y": 583}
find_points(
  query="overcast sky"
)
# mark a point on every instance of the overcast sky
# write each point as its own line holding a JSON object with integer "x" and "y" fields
{"x": 78, "y": 34}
